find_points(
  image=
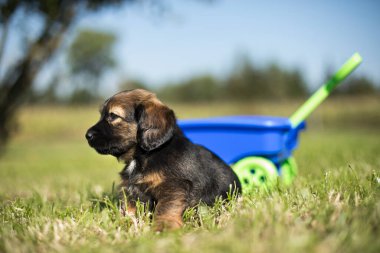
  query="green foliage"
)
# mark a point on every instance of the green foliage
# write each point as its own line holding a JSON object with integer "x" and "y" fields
{"x": 132, "y": 84}
{"x": 357, "y": 86}
{"x": 196, "y": 89}
{"x": 82, "y": 96}
{"x": 90, "y": 54}
{"x": 273, "y": 82}
{"x": 246, "y": 82}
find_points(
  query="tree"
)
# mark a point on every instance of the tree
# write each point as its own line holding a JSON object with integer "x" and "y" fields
{"x": 90, "y": 55}
{"x": 356, "y": 86}
{"x": 132, "y": 84}
{"x": 203, "y": 88}
{"x": 245, "y": 81}
{"x": 57, "y": 17}
{"x": 47, "y": 96}
{"x": 248, "y": 82}
{"x": 283, "y": 83}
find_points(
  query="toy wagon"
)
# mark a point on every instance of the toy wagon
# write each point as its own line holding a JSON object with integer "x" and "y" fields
{"x": 259, "y": 148}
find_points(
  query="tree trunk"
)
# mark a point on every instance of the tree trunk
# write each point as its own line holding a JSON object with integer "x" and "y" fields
{"x": 18, "y": 81}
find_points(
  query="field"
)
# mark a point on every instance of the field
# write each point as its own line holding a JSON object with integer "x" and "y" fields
{"x": 56, "y": 194}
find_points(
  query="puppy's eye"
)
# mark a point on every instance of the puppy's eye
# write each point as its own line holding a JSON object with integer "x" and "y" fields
{"x": 112, "y": 116}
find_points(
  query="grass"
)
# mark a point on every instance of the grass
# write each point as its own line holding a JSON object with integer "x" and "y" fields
{"x": 56, "y": 193}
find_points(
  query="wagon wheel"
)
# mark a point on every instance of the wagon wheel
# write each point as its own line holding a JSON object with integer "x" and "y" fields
{"x": 255, "y": 172}
{"x": 289, "y": 170}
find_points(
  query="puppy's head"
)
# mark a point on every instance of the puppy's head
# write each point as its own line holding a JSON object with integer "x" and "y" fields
{"x": 131, "y": 119}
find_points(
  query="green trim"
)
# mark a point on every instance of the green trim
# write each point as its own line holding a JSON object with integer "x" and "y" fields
{"x": 322, "y": 93}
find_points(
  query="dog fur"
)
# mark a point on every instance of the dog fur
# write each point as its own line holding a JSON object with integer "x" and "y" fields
{"x": 163, "y": 167}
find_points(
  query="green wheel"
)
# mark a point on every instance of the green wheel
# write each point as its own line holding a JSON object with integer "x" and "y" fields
{"x": 255, "y": 172}
{"x": 288, "y": 170}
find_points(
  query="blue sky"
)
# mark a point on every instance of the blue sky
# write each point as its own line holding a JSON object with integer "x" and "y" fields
{"x": 198, "y": 38}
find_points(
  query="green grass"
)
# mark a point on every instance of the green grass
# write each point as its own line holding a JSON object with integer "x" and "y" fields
{"x": 56, "y": 192}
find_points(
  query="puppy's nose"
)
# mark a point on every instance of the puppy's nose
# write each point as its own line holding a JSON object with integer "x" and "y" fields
{"x": 90, "y": 134}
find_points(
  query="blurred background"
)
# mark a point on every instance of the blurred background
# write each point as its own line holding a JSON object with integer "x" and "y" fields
{"x": 60, "y": 59}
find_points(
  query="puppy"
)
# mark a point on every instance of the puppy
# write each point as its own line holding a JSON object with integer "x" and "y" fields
{"x": 163, "y": 167}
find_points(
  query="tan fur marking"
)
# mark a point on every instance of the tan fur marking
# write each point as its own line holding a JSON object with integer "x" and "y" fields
{"x": 118, "y": 110}
{"x": 131, "y": 209}
{"x": 153, "y": 179}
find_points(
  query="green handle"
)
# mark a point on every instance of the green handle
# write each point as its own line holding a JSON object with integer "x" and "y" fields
{"x": 322, "y": 93}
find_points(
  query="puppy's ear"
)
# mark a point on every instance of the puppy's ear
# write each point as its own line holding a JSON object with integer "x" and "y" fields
{"x": 156, "y": 124}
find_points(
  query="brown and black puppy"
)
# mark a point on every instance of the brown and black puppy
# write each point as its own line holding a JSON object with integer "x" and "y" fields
{"x": 163, "y": 167}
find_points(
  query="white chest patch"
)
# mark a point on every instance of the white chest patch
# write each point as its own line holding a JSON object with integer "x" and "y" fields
{"x": 131, "y": 167}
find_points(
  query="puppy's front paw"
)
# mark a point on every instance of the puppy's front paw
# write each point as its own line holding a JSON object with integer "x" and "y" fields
{"x": 127, "y": 210}
{"x": 167, "y": 224}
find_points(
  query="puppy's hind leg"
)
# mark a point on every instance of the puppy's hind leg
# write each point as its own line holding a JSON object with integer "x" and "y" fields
{"x": 169, "y": 209}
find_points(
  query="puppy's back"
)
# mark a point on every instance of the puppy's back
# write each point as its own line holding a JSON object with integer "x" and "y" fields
{"x": 216, "y": 177}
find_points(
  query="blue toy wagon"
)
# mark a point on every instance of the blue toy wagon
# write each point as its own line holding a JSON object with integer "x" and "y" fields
{"x": 259, "y": 148}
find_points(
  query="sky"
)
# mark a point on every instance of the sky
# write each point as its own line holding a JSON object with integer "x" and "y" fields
{"x": 194, "y": 37}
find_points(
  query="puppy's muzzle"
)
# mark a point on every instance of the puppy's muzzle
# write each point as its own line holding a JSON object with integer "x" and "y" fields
{"x": 90, "y": 135}
{"x": 93, "y": 137}
{"x": 97, "y": 140}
